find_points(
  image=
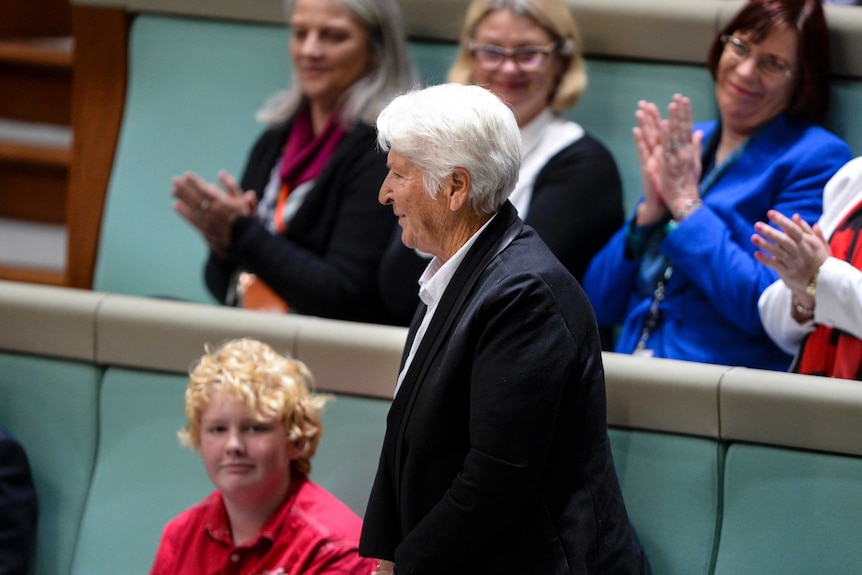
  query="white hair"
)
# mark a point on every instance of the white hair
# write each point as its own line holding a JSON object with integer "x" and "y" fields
{"x": 453, "y": 125}
{"x": 391, "y": 72}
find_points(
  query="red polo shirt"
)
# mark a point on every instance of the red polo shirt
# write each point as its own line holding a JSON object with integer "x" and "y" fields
{"x": 312, "y": 533}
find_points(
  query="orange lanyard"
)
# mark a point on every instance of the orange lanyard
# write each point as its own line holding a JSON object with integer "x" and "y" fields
{"x": 281, "y": 202}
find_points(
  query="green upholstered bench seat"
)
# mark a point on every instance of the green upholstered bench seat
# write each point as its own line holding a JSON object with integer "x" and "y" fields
{"x": 50, "y": 405}
{"x": 142, "y": 477}
{"x": 671, "y": 486}
{"x": 791, "y": 512}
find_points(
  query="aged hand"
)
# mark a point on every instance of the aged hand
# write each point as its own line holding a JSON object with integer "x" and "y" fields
{"x": 796, "y": 253}
{"x": 647, "y": 137}
{"x": 210, "y": 210}
{"x": 384, "y": 567}
{"x": 681, "y": 149}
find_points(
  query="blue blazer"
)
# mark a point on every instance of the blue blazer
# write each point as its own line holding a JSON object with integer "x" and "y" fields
{"x": 709, "y": 313}
{"x": 496, "y": 457}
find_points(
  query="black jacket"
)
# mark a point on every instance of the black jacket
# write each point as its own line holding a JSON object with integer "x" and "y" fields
{"x": 496, "y": 458}
{"x": 326, "y": 264}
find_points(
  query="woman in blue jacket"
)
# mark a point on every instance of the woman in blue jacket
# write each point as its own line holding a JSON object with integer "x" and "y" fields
{"x": 681, "y": 275}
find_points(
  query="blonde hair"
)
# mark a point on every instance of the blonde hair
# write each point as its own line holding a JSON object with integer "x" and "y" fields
{"x": 264, "y": 382}
{"x": 552, "y": 15}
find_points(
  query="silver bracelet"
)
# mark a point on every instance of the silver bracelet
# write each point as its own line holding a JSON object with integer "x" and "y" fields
{"x": 687, "y": 208}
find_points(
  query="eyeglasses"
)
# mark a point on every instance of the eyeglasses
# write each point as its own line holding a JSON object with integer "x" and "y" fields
{"x": 768, "y": 64}
{"x": 526, "y": 58}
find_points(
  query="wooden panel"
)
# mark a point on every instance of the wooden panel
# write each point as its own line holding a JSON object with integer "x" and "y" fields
{"x": 34, "y": 193}
{"x": 34, "y": 18}
{"x": 98, "y": 97}
{"x": 33, "y": 275}
{"x": 46, "y": 156}
{"x": 35, "y": 94}
{"x": 47, "y": 52}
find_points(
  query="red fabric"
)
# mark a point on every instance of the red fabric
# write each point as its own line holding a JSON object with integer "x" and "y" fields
{"x": 829, "y": 351}
{"x": 313, "y": 533}
{"x": 304, "y": 157}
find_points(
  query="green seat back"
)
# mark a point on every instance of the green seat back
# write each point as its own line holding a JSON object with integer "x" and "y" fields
{"x": 346, "y": 459}
{"x": 790, "y": 512}
{"x": 51, "y": 407}
{"x": 194, "y": 87}
{"x": 143, "y": 478}
{"x": 671, "y": 488}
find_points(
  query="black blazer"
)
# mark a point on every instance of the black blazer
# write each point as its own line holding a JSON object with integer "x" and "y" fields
{"x": 496, "y": 457}
{"x": 326, "y": 264}
{"x": 18, "y": 508}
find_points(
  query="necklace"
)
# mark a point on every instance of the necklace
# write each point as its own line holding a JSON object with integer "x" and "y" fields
{"x": 654, "y": 317}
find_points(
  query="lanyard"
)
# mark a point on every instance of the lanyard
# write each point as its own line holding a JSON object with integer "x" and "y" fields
{"x": 653, "y": 317}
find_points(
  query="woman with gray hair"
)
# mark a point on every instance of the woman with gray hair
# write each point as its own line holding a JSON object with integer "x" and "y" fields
{"x": 491, "y": 463}
{"x": 302, "y": 227}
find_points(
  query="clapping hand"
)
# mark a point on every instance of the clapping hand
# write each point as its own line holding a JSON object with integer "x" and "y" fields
{"x": 796, "y": 251}
{"x": 210, "y": 210}
{"x": 669, "y": 154}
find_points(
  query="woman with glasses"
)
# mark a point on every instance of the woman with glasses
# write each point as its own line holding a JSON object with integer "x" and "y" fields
{"x": 528, "y": 52}
{"x": 681, "y": 276}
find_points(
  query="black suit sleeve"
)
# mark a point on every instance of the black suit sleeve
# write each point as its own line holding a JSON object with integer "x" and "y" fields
{"x": 18, "y": 508}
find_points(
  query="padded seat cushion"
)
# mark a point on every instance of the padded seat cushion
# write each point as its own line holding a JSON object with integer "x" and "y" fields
{"x": 670, "y": 484}
{"x": 790, "y": 512}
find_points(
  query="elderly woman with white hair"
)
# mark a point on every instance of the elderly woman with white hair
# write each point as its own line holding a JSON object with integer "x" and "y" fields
{"x": 491, "y": 463}
{"x": 303, "y": 228}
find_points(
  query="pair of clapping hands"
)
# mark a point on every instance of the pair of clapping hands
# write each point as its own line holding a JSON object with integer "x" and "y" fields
{"x": 670, "y": 150}
{"x": 669, "y": 154}
{"x": 796, "y": 251}
{"x": 211, "y": 210}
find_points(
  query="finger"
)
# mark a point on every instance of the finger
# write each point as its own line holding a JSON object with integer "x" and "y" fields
{"x": 697, "y": 140}
{"x": 229, "y": 183}
{"x": 768, "y": 261}
{"x": 685, "y": 118}
{"x": 774, "y": 236}
{"x": 803, "y": 225}
{"x": 185, "y": 212}
{"x": 818, "y": 231}
{"x": 250, "y": 198}
{"x": 781, "y": 221}
{"x": 193, "y": 189}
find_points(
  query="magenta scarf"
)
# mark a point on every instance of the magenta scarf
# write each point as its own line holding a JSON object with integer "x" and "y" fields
{"x": 305, "y": 154}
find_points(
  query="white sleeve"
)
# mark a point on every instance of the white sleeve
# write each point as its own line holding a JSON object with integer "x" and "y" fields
{"x": 774, "y": 307}
{"x": 839, "y": 296}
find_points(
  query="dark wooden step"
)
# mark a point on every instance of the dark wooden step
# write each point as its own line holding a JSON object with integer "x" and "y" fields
{"x": 37, "y": 144}
{"x": 34, "y": 168}
{"x": 33, "y": 275}
{"x": 51, "y": 52}
{"x": 36, "y": 79}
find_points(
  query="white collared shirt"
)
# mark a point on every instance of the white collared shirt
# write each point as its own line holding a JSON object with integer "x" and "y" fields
{"x": 432, "y": 285}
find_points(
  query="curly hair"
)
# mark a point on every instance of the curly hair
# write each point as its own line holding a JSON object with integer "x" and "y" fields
{"x": 266, "y": 383}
